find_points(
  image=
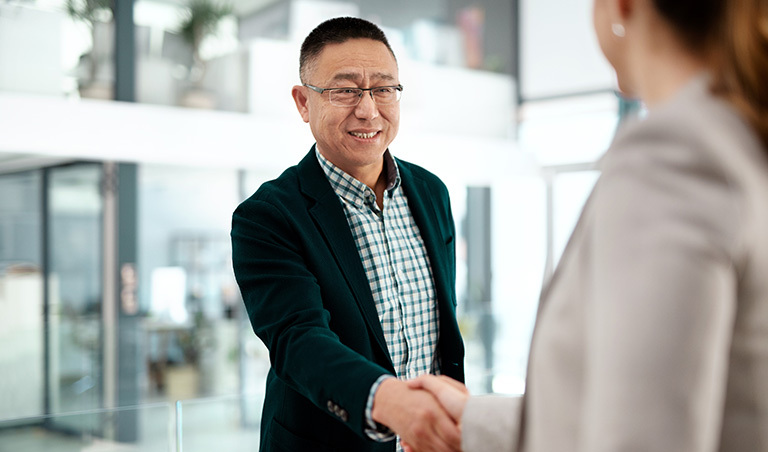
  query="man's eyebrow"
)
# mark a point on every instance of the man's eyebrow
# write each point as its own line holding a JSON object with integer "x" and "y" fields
{"x": 347, "y": 76}
{"x": 355, "y": 77}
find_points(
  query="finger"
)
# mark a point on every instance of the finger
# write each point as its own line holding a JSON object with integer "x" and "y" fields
{"x": 454, "y": 383}
{"x": 421, "y": 381}
{"x": 450, "y": 397}
{"x": 417, "y": 383}
{"x": 443, "y": 436}
{"x": 432, "y": 429}
{"x": 449, "y": 434}
{"x": 443, "y": 433}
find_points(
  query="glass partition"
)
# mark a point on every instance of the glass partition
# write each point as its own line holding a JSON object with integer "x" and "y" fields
{"x": 74, "y": 323}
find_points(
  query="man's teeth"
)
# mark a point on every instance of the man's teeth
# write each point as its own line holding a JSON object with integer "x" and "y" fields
{"x": 364, "y": 135}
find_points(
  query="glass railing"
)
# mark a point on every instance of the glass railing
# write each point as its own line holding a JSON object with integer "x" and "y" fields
{"x": 145, "y": 428}
{"x": 228, "y": 423}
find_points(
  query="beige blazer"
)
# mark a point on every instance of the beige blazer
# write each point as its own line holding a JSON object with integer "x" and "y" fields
{"x": 652, "y": 334}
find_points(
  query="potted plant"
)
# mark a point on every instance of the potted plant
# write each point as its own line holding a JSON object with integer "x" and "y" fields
{"x": 95, "y": 66}
{"x": 199, "y": 22}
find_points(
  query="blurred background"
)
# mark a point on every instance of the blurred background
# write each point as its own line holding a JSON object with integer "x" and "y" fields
{"x": 131, "y": 129}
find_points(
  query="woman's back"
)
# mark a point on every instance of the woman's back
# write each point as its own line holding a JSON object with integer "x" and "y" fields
{"x": 653, "y": 334}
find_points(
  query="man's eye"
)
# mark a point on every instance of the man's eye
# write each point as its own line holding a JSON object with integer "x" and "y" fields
{"x": 346, "y": 91}
{"x": 384, "y": 90}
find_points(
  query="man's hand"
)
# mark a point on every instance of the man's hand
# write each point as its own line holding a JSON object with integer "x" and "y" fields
{"x": 416, "y": 416}
{"x": 451, "y": 394}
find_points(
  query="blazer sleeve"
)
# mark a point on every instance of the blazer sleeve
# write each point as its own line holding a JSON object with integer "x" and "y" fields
{"x": 663, "y": 298}
{"x": 491, "y": 424}
{"x": 285, "y": 306}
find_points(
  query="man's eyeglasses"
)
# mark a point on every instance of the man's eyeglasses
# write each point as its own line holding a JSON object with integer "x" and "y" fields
{"x": 349, "y": 97}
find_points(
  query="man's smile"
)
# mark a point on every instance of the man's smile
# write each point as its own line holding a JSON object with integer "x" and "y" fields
{"x": 364, "y": 135}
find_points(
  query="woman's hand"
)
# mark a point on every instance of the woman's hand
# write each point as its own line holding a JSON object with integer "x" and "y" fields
{"x": 451, "y": 394}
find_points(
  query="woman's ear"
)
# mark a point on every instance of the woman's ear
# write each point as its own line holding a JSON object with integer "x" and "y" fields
{"x": 624, "y": 9}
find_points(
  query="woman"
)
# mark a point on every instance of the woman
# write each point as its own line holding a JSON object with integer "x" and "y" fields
{"x": 653, "y": 332}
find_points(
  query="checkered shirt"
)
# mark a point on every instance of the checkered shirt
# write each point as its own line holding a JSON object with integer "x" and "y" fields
{"x": 398, "y": 270}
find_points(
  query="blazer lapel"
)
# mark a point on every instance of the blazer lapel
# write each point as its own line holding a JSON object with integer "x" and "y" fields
{"x": 329, "y": 216}
{"x": 426, "y": 218}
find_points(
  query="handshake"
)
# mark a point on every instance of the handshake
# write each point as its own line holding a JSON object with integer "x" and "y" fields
{"x": 425, "y": 412}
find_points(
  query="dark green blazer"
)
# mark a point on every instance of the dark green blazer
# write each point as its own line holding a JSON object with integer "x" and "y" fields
{"x": 309, "y": 301}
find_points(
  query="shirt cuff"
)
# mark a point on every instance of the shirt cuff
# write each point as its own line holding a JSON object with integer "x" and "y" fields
{"x": 374, "y": 430}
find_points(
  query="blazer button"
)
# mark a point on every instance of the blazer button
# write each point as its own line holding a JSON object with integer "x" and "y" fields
{"x": 343, "y": 415}
{"x": 331, "y": 407}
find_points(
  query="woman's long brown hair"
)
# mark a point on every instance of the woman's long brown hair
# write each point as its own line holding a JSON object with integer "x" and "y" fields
{"x": 742, "y": 73}
{"x": 734, "y": 33}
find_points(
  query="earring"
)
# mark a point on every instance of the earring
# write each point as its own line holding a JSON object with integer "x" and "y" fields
{"x": 618, "y": 30}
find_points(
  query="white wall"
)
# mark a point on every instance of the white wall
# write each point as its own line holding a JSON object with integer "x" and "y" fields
{"x": 30, "y": 50}
{"x": 559, "y": 53}
{"x": 21, "y": 353}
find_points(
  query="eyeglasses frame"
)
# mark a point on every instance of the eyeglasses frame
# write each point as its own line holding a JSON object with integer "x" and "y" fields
{"x": 398, "y": 87}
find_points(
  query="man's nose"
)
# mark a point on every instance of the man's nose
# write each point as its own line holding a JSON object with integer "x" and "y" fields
{"x": 366, "y": 108}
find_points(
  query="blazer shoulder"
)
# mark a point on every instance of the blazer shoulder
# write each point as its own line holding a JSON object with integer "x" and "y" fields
{"x": 279, "y": 190}
{"x": 409, "y": 169}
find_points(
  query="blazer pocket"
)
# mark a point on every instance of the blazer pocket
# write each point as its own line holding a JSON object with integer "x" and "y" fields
{"x": 281, "y": 439}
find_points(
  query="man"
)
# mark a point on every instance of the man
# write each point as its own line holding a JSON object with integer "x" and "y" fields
{"x": 346, "y": 265}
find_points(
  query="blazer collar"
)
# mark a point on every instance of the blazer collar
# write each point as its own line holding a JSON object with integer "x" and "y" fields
{"x": 426, "y": 218}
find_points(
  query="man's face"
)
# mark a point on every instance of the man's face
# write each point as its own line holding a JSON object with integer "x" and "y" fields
{"x": 352, "y": 138}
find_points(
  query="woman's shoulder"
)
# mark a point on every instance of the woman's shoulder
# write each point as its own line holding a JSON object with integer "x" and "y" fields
{"x": 694, "y": 127}
{"x": 693, "y": 160}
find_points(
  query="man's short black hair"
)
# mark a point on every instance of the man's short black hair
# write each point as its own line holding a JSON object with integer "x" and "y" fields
{"x": 337, "y": 31}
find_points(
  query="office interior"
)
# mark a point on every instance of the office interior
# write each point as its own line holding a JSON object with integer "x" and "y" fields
{"x": 126, "y": 143}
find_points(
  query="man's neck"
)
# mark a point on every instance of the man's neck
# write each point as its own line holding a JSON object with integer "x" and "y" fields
{"x": 374, "y": 176}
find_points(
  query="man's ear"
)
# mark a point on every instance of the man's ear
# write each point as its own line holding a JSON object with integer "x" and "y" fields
{"x": 300, "y": 97}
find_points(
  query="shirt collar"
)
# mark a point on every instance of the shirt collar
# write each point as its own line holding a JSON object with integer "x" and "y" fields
{"x": 352, "y": 190}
